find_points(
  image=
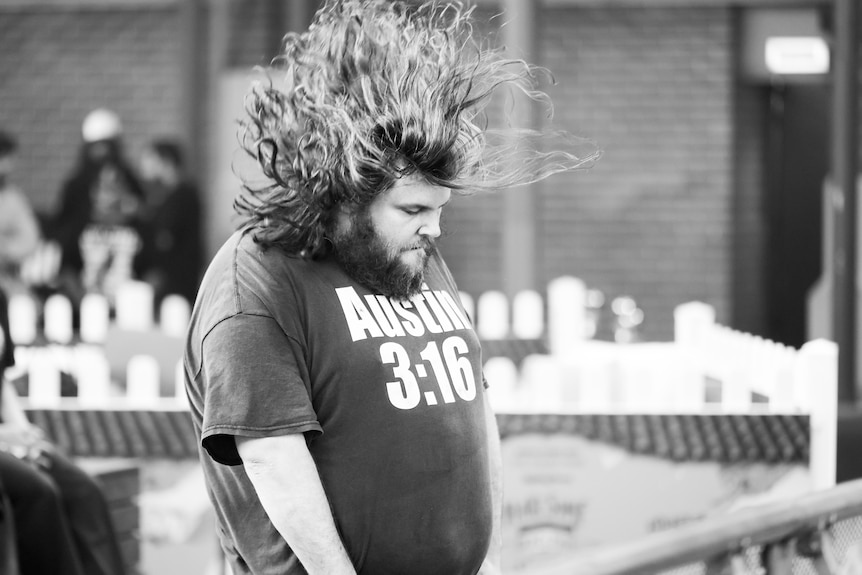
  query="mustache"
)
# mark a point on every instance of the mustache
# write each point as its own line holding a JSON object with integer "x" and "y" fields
{"x": 425, "y": 244}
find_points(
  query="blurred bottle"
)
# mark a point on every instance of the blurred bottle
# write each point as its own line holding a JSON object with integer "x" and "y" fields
{"x": 627, "y": 319}
{"x": 595, "y": 302}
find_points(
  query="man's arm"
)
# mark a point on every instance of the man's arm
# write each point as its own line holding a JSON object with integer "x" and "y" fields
{"x": 286, "y": 481}
{"x": 492, "y": 564}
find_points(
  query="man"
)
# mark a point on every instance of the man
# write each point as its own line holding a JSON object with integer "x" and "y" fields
{"x": 173, "y": 251}
{"x": 335, "y": 380}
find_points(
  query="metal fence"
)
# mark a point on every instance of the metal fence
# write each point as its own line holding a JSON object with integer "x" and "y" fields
{"x": 820, "y": 533}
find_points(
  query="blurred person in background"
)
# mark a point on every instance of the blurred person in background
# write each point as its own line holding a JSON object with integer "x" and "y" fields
{"x": 60, "y": 515}
{"x": 99, "y": 223}
{"x": 334, "y": 379}
{"x": 19, "y": 228}
{"x": 173, "y": 213}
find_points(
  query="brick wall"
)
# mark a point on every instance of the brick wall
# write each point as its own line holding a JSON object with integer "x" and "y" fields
{"x": 655, "y": 87}
{"x": 56, "y": 65}
{"x": 749, "y": 218}
{"x": 472, "y": 237}
{"x": 255, "y": 33}
{"x": 652, "y": 219}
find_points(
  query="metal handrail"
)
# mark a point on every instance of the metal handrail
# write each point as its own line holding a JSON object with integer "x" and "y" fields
{"x": 716, "y": 537}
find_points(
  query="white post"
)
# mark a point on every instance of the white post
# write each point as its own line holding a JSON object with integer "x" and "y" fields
{"x": 44, "y": 378}
{"x": 95, "y": 318}
{"x": 58, "y": 319}
{"x": 174, "y": 315}
{"x": 502, "y": 376}
{"x": 469, "y": 306}
{"x": 528, "y": 315}
{"x": 493, "y": 315}
{"x": 819, "y": 367}
{"x": 142, "y": 379}
{"x": 23, "y": 316}
{"x": 134, "y": 303}
{"x": 180, "y": 384}
{"x": 692, "y": 322}
{"x": 782, "y": 398}
{"x": 696, "y": 336}
{"x": 542, "y": 383}
{"x": 94, "y": 375}
{"x": 567, "y": 325}
{"x": 735, "y": 389}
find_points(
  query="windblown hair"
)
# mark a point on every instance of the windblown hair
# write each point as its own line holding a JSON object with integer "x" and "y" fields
{"x": 375, "y": 90}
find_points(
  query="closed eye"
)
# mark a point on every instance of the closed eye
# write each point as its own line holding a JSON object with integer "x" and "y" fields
{"x": 413, "y": 211}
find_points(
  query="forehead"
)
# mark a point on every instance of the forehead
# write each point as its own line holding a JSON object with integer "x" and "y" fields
{"x": 413, "y": 190}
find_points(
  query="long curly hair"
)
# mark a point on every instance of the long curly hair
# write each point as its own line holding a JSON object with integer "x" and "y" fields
{"x": 375, "y": 90}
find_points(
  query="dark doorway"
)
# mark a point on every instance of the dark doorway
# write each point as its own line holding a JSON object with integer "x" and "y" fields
{"x": 797, "y": 163}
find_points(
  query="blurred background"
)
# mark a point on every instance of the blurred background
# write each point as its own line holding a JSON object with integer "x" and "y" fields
{"x": 709, "y": 188}
{"x": 717, "y": 120}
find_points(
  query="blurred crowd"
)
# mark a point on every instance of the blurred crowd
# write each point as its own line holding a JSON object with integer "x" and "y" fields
{"x": 115, "y": 219}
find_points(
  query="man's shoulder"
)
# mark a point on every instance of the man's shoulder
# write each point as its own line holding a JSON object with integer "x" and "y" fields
{"x": 221, "y": 294}
{"x": 243, "y": 273}
{"x": 245, "y": 279}
{"x": 219, "y": 289}
{"x": 250, "y": 256}
{"x": 241, "y": 248}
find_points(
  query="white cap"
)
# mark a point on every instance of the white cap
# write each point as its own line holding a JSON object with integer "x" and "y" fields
{"x": 101, "y": 124}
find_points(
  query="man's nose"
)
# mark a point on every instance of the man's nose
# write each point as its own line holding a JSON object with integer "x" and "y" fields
{"x": 431, "y": 225}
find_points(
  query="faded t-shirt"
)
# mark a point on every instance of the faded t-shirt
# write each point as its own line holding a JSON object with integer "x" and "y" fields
{"x": 389, "y": 395}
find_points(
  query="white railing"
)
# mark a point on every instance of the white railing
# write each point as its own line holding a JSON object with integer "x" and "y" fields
{"x": 48, "y": 348}
{"x": 708, "y": 368}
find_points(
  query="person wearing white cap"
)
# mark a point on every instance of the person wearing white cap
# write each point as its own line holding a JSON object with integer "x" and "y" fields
{"x": 101, "y": 124}
{"x": 103, "y": 191}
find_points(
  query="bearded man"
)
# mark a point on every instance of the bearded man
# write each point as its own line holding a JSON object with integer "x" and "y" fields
{"x": 334, "y": 378}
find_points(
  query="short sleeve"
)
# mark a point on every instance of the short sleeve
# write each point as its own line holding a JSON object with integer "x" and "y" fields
{"x": 254, "y": 385}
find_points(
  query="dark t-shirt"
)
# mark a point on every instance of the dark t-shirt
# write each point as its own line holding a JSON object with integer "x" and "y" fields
{"x": 389, "y": 395}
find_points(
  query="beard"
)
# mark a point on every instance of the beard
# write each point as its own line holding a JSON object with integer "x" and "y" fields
{"x": 370, "y": 260}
